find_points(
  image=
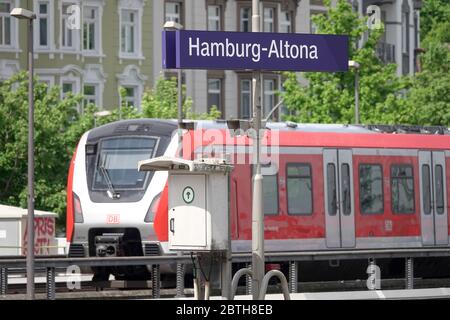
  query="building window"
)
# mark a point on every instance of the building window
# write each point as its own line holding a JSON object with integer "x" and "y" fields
{"x": 405, "y": 33}
{"x": 215, "y": 93}
{"x": 67, "y": 35}
{"x": 269, "y": 96}
{"x": 173, "y": 12}
{"x": 43, "y": 20}
{"x": 269, "y": 19}
{"x": 312, "y": 26}
{"x": 402, "y": 192}
{"x": 5, "y": 23}
{"x": 245, "y": 19}
{"x": 67, "y": 87}
{"x": 130, "y": 98}
{"x": 245, "y": 98}
{"x": 90, "y": 29}
{"x": 286, "y": 20}
{"x": 299, "y": 188}
{"x": 90, "y": 93}
{"x": 129, "y": 31}
{"x": 371, "y": 188}
{"x": 214, "y": 18}
{"x": 47, "y": 80}
{"x": 132, "y": 82}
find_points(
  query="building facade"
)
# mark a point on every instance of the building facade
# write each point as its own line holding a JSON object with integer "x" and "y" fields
{"x": 118, "y": 44}
{"x": 109, "y": 49}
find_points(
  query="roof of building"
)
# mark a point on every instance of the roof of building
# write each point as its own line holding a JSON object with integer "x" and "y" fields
{"x": 17, "y": 212}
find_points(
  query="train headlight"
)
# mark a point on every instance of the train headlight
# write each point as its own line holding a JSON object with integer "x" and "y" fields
{"x": 150, "y": 216}
{"x": 78, "y": 212}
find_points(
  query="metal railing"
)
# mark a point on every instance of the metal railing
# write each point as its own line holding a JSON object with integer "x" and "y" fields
{"x": 50, "y": 264}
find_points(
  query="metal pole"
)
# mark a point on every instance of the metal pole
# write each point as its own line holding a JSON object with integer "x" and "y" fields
{"x": 180, "y": 108}
{"x": 30, "y": 239}
{"x": 257, "y": 205}
{"x": 357, "y": 96}
{"x": 227, "y": 268}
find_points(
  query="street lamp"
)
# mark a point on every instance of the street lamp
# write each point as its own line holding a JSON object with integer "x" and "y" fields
{"x": 355, "y": 65}
{"x": 257, "y": 201}
{"x": 21, "y": 13}
{"x": 173, "y": 26}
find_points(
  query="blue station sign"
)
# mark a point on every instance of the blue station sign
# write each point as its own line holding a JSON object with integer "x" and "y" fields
{"x": 185, "y": 49}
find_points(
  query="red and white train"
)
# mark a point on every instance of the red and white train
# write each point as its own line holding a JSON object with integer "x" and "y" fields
{"x": 336, "y": 186}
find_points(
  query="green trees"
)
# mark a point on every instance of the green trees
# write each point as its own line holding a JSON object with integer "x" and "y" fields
{"x": 329, "y": 97}
{"x": 423, "y": 99}
{"x": 54, "y": 144}
{"x": 429, "y": 97}
{"x": 161, "y": 102}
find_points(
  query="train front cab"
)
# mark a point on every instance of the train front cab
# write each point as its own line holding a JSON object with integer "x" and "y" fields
{"x": 111, "y": 205}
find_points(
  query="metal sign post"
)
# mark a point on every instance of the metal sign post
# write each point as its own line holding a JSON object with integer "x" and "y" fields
{"x": 188, "y": 49}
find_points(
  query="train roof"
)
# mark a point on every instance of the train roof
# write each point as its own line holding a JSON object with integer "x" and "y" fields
{"x": 123, "y": 125}
{"x": 328, "y": 135}
{"x": 335, "y": 128}
{"x": 134, "y": 126}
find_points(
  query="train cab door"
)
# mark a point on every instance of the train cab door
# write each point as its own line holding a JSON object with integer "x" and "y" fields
{"x": 339, "y": 195}
{"x": 433, "y": 200}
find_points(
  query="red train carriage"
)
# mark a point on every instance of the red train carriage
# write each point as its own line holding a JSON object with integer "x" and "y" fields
{"x": 325, "y": 187}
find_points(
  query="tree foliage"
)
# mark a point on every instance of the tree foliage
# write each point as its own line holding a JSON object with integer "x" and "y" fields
{"x": 54, "y": 122}
{"x": 423, "y": 99}
{"x": 329, "y": 97}
{"x": 162, "y": 102}
{"x": 429, "y": 97}
{"x": 433, "y": 12}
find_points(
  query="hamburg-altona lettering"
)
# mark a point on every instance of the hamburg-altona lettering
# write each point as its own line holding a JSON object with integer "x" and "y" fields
{"x": 279, "y": 49}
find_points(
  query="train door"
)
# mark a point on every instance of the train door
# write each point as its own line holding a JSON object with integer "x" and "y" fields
{"x": 433, "y": 200}
{"x": 339, "y": 195}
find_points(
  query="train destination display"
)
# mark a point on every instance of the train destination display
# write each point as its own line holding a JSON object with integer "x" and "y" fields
{"x": 254, "y": 50}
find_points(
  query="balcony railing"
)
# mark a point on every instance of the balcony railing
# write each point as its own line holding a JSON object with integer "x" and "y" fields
{"x": 386, "y": 52}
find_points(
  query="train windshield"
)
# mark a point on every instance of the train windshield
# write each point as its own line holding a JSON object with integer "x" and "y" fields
{"x": 117, "y": 163}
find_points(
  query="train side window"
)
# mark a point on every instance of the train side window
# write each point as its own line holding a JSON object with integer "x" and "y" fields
{"x": 346, "y": 192}
{"x": 439, "y": 187}
{"x": 371, "y": 189}
{"x": 402, "y": 189}
{"x": 331, "y": 189}
{"x": 426, "y": 187}
{"x": 270, "y": 191}
{"x": 299, "y": 188}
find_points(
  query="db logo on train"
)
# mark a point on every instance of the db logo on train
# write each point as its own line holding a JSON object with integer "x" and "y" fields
{"x": 113, "y": 219}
